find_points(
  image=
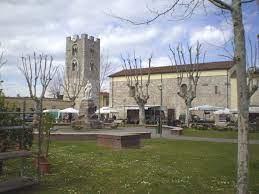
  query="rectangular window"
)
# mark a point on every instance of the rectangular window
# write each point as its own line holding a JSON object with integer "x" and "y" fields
{"x": 216, "y": 90}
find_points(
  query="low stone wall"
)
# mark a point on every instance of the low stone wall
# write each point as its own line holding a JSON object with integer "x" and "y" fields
{"x": 119, "y": 141}
{"x": 174, "y": 130}
{"x": 88, "y": 136}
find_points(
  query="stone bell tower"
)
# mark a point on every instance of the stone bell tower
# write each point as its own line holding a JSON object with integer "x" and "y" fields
{"x": 83, "y": 62}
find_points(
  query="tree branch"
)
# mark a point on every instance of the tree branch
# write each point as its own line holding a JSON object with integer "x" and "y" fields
{"x": 221, "y": 4}
{"x": 248, "y": 1}
{"x": 158, "y": 14}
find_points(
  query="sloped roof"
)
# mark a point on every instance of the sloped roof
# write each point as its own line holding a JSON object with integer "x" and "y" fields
{"x": 220, "y": 65}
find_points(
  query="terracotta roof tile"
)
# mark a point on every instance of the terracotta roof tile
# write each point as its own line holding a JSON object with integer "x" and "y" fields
{"x": 221, "y": 65}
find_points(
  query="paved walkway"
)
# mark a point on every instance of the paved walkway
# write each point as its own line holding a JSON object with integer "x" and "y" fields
{"x": 218, "y": 140}
{"x": 166, "y": 134}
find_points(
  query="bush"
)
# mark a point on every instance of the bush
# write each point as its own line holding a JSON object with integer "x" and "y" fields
{"x": 8, "y": 138}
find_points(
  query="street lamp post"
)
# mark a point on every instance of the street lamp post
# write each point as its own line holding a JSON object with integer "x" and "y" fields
{"x": 124, "y": 114}
{"x": 160, "y": 110}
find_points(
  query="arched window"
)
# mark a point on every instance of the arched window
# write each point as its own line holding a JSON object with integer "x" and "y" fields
{"x": 74, "y": 50}
{"x": 74, "y": 65}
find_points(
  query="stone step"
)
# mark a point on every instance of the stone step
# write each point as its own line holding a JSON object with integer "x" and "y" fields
{"x": 15, "y": 154}
{"x": 16, "y": 183}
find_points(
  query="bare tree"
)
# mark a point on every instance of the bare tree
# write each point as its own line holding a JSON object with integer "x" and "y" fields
{"x": 138, "y": 87}
{"x": 38, "y": 72}
{"x": 252, "y": 69}
{"x": 2, "y": 63}
{"x": 187, "y": 65}
{"x": 105, "y": 70}
{"x": 73, "y": 84}
{"x": 56, "y": 85}
{"x": 234, "y": 8}
{"x": 2, "y": 60}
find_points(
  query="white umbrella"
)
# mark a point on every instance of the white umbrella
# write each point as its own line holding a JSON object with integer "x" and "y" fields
{"x": 252, "y": 109}
{"x": 226, "y": 111}
{"x": 106, "y": 110}
{"x": 206, "y": 108}
{"x": 51, "y": 110}
{"x": 69, "y": 110}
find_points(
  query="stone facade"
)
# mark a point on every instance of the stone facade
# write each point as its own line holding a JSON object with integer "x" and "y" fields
{"x": 104, "y": 99}
{"x": 212, "y": 90}
{"x": 48, "y": 103}
{"x": 216, "y": 87}
{"x": 83, "y": 56}
{"x": 254, "y": 101}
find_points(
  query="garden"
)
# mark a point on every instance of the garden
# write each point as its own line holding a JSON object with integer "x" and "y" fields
{"x": 160, "y": 166}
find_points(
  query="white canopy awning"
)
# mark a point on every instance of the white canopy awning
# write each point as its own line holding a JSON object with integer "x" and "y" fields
{"x": 69, "y": 110}
{"x": 232, "y": 111}
{"x": 254, "y": 109}
{"x": 106, "y": 110}
{"x": 225, "y": 111}
{"x": 206, "y": 108}
{"x": 51, "y": 110}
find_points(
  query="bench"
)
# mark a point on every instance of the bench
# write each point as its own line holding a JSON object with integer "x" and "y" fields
{"x": 119, "y": 140}
{"x": 111, "y": 125}
{"x": 173, "y": 130}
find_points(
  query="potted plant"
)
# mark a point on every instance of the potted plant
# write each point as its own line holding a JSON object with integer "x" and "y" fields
{"x": 41, "y": 161}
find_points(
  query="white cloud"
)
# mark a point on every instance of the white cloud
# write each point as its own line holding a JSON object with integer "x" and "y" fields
{"x": 121, "y": 37}
{"x": 211, "y": 35}
{"x": 42, "y": 26}
{"x": 161, "y": 61}
{"x": 158, "y": 61}
{"x": 174, "y": 34}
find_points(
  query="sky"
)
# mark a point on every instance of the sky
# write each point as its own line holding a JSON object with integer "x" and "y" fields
{"x": 42, "y": 26}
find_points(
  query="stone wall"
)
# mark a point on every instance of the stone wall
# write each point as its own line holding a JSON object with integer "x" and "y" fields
{"x": 206, "y": 94}
{"x": 255, "y": 99}
{"x": 88, "y": 58}
{"x": 48, "y": 103}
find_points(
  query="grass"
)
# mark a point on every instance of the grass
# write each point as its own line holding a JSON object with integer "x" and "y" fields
{"x": 217, "y": 134}
{"x": 160, "y": 167}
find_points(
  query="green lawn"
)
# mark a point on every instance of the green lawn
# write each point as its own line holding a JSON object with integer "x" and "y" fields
{"x": 160, "y": 166}
{"x": 217, "y": 134}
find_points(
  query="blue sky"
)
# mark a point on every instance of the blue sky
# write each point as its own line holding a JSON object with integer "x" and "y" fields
{"x": 42, "y": 26}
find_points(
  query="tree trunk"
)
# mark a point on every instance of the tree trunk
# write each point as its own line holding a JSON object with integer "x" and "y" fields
{"x": 2, "y": 149}
{"x": 242, "y": 98}
{"x": 73, "y": 103}
{"x": 99, "y": 106}
{"x": 37, "y": 123}
{"x": 142, "y": 120}
{"x": 187, "y": 113}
